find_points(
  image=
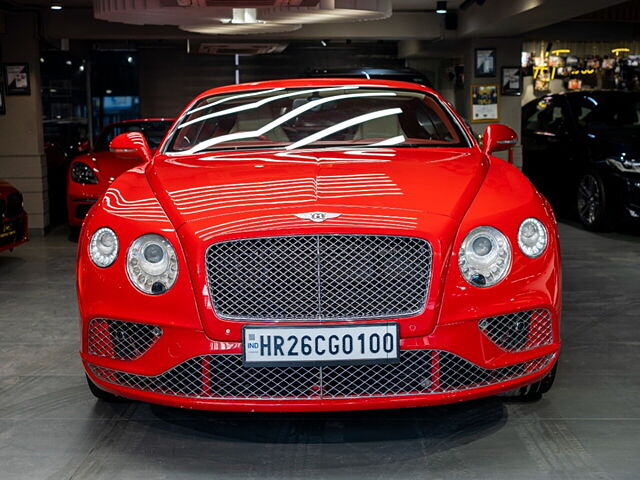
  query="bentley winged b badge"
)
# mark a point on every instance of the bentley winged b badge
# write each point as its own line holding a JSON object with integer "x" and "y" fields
{"x": 317, "y": 216}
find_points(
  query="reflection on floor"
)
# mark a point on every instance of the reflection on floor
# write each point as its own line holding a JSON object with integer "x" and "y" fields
{"x": 587, "y": 427}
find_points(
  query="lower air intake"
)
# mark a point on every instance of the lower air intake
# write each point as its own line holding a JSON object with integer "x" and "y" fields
{"x": 521, "y": 331}
{"x": 120, "y": 340}
{"x": 419, "y": 372}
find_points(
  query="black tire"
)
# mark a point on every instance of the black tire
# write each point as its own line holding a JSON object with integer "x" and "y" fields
{"x": 534, "y": 392}
{"x": 102, "y": 395}
{"x": 593, "y": 203}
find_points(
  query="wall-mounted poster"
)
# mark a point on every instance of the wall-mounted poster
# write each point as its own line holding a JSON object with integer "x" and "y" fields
{"x": 511, "y": 81}
{"x": 17, "y": 78}
{"x": 484, "y": 103}
{"x": 485, "y": 62}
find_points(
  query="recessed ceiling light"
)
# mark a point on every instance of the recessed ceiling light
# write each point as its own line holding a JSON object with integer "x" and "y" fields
{"x": 56, "y": 6}
{"x": 441, "y": 7}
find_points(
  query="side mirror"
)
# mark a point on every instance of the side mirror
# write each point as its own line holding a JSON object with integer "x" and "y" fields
{"x": 84, "y": 146}
{"x": 498, "y": 137}
{"x": 131, "y": 145}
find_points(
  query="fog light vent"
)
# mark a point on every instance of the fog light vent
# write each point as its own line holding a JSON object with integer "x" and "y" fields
{"x": 121, "y": 340}
{"x": 520, "y": 331}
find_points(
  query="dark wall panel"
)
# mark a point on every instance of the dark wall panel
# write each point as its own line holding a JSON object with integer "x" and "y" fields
{"x": 170, "y": 77}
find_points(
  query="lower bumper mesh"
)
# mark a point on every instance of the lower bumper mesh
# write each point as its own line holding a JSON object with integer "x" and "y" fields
{"x": 419, "y": 372}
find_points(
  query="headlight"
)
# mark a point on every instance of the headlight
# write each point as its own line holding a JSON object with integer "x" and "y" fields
{"x": 625, "y": 164}
{"x": 485, "y": 257}
{"x": 82, "y": 173}
{"x": 532, "y": 237}
{"x": 103, "y": 248}
{"x": 152, "y": 265}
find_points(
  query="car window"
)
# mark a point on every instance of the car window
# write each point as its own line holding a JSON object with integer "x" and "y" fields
{"x": 318, "y": 117}
{"x": 533, "y": 114}
{"x": 552, "y": 120}
{"x": 610, "y": 111}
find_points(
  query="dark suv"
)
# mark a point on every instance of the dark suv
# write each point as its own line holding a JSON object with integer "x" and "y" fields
{"x": 582, "y": 150}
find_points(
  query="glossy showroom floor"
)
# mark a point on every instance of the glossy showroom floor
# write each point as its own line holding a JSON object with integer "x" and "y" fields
{"x": 588, "y": 427}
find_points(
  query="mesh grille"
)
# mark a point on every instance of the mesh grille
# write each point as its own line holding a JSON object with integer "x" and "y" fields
{"x": 521, "y": 331}
{"x": 319, "y": 277}
{"x": 121, "y": 340}
{"x": 419, "y": 372}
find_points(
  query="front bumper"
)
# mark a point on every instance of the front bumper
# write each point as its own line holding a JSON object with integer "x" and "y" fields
{"x": 14, "y": 232}
{"x": 184, "y": 368}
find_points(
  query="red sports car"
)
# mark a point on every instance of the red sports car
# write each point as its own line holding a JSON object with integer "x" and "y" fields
{"x": 91, "y": 173}
{"x": 319, "y": 245}
{"x": 14, "y": 224}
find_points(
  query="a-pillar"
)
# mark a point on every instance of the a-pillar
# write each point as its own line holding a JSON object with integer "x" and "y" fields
{"x": 22, "y": 160}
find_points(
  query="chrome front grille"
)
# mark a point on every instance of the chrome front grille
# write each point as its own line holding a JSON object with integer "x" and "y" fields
{"x": 520, "y": 331}
{"x": 419, "y": 372}
{"x": 319, "y": 277}
{"x": 120, "y": 340}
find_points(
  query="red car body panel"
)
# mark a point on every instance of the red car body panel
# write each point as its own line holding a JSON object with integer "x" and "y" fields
{"x": 107, "y": 166}
{"x": 438, "y": 194}
{"x": 14, "y": 222}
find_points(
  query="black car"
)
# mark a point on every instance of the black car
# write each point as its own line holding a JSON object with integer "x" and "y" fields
{"x": 582, "y": 150}
{"x": 397, "y": 74}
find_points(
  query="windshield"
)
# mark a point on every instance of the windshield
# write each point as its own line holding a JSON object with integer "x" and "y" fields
{"x": 153, "y": 130}
{"x": 319, "y": 117}
{"x": 607, "y": 110}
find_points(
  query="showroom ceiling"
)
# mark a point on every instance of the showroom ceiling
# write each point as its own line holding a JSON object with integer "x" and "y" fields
{"x": 398, "y": 5}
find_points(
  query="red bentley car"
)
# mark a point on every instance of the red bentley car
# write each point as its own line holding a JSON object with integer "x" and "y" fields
{"x": 14, "y": 224}
{"x": 91, "y": 173}
{"x": 326, "y": 244}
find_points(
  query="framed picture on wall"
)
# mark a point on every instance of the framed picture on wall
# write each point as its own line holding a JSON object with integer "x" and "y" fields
{"x": 511, "y": 81}
{"x": 485, "y": 62}
{"x": 484, "y": 103}
{"x": 17, "y": 78}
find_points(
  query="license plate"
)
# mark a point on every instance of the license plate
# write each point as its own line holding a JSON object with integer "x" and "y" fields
{"x": 320, "y": 345}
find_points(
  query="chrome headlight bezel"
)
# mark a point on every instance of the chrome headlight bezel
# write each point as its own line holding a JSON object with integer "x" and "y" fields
{"x": 623, "y": 164}
{"x": 541, "y": 241}
{"x": 102, "y": 253}
{"x": 152, "y": 277}
{"x": 477, "y": 270}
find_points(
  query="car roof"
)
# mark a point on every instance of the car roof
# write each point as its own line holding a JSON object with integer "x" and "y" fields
{"x": 315, "y": 82}
{"x": 139, "y": 120}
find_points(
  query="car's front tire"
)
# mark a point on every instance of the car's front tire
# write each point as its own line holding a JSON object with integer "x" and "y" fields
{"x": 594, "y": 204}
{"x": 102, "y": 395}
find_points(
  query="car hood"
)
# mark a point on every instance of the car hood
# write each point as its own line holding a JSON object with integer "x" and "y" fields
{"x": 6, "y": 188}
{"x": 213, "y": 188}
